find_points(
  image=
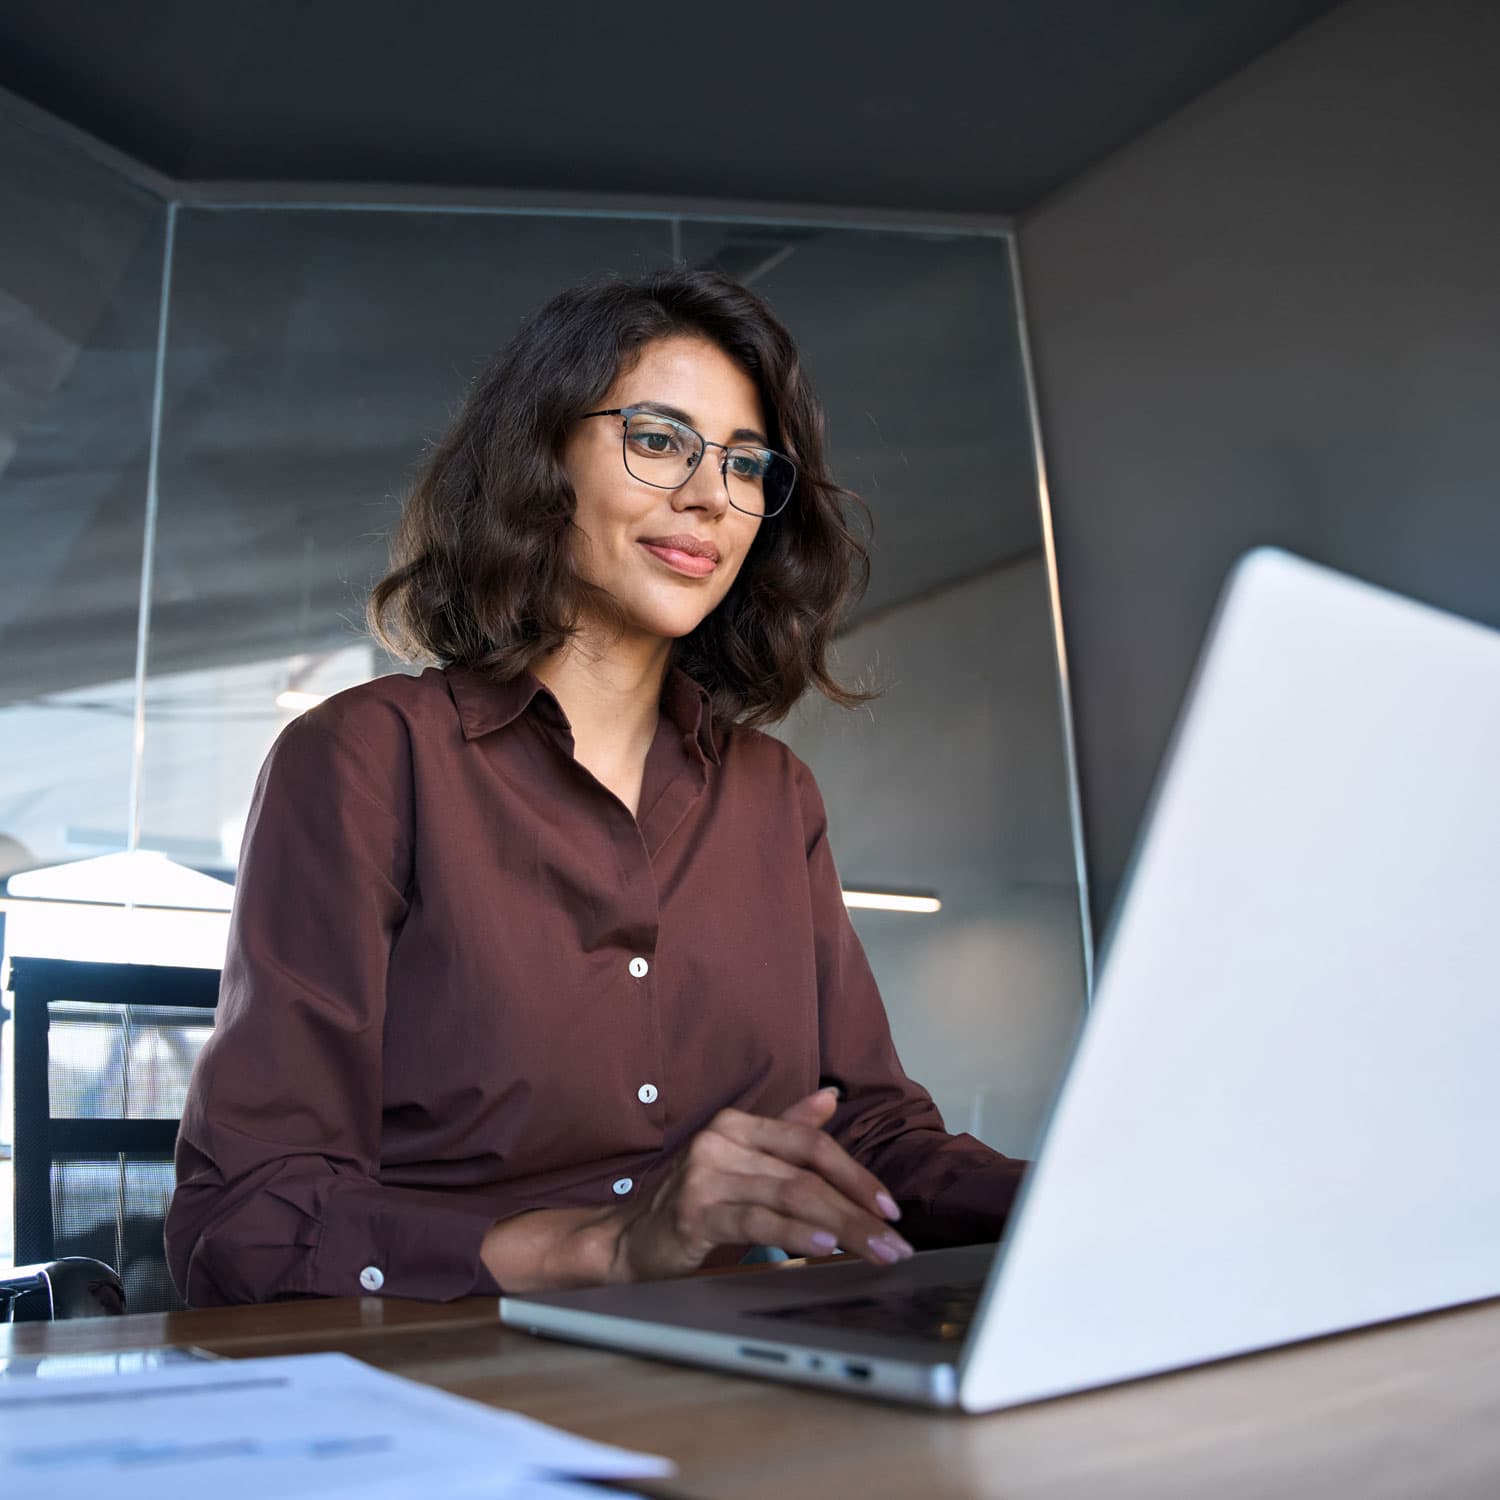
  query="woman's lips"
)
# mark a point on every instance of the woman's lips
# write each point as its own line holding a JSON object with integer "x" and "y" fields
{"x": 680, "y": 561}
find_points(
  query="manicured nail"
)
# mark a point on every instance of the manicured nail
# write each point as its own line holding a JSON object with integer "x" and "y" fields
{"x": 822, "y": 1240}
{"x": 883, "y": 1249}
{"x": 887, "y": 1205}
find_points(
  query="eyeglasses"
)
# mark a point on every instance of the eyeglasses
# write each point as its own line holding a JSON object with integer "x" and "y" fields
{"x": 663, "y": 452}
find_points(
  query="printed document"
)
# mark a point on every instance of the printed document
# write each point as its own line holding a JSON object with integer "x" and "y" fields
{"x": 307, "y": 1425}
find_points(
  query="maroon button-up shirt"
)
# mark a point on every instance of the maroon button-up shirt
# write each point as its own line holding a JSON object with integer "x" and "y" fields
{"x": 464, "y": 982}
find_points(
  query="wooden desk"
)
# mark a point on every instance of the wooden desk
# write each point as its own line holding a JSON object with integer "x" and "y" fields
{"x": 1409, "y": 1410}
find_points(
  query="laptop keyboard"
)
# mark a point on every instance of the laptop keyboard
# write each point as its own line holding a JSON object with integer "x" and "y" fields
{"x": 931, "y": 1312}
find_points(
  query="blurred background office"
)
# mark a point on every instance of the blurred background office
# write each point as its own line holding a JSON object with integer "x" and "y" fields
{"x": 1096, "y": 295}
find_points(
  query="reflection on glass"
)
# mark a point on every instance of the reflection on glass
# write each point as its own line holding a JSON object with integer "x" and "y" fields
{"x": 80, "y": 276}
{"x": 911, "y": 342}
{"x": 311, "y": 356}
{"x": 955, "y": 781}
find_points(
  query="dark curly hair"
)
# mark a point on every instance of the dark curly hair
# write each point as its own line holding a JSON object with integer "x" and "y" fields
{"x": 481, "y": 574}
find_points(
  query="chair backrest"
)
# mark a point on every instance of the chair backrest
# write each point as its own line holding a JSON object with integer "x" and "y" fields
{"x": 103, "y": 1053}
{"x": 73, "y": 1287}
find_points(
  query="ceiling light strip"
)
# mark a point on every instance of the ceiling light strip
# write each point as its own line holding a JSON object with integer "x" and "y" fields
{"x": 891, "y": 901}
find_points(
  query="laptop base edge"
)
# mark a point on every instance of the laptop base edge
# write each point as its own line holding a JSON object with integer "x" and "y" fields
{"x": 909, "y": 1382}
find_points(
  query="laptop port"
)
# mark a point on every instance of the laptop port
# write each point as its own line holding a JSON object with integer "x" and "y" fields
{"x": 857, "y": 1372}
{"x": 775, "y": 1356}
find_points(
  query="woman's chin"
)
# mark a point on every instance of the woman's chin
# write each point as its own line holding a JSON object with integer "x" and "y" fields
{"x": 666, "y": 622}
{"x": 675, "y": 629}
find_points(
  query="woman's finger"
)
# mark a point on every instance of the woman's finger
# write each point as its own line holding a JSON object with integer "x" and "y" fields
{"x": 755, "y": 1225}
{"x": 724, "y": 1154}
{"x": 825, "y": 1218}
{"x": 804, "y": 1146}
{"x": 726, "y": 1171}
{"x": 814, "y": 1109}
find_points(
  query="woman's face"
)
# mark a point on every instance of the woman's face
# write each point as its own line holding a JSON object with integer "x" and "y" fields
{"x": 668, "y": 557}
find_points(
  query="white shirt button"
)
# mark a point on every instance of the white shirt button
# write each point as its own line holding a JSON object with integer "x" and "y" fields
{"x": 639, "y": 968}
{"x": 646, "y": 1093}
{"x": 623, "y": 1185}
{"x": 372, "y": 1278}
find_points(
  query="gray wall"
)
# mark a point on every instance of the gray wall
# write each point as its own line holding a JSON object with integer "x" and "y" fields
{"x": 1276, "y": 319}
{"x": 955, "y": 781}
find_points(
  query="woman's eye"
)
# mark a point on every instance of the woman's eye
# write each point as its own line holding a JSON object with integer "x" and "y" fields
{"x": 657, "y": 442}
{"x": 745, "y": 465}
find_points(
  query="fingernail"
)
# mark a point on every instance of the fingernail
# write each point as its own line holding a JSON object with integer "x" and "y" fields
{"x": 823, "y": 1240}
{"x": 899, "y": 1245}
{"x": 883, "y": 1249}
{"x": 887, "y": 1205}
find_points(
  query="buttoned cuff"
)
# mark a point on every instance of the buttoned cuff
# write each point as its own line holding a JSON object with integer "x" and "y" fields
{"x": 401, "y": 1242}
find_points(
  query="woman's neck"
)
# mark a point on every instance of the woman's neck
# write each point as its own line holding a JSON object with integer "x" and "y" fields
{"x": 611, "y": 694}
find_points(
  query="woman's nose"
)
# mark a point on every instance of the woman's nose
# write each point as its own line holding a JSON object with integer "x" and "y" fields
{"x": 707, "y": 487}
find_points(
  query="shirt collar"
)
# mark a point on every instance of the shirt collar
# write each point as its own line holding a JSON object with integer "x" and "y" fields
{"x": 485, "y": 705}
{"x": 686, "y": 702}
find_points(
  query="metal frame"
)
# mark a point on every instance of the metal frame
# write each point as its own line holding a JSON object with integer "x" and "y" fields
{"x": 1059, "y": 640}
{"x": 630, "y": 413}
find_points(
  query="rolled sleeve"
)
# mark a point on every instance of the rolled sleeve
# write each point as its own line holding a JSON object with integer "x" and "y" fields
{"x": 952, "y": 1189}
{"x": 298, "y": 1228}
{"x": 278, "y": 1155}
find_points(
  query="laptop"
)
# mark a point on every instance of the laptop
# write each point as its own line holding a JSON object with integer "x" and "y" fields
{"x": 1282, "y": 1118}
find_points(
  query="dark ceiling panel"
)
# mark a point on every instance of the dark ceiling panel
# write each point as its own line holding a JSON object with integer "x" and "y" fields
{"x": 950, "y": 105}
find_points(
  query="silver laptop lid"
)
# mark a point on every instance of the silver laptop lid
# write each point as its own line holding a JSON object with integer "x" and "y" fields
{"x": 1284, "y": 1114}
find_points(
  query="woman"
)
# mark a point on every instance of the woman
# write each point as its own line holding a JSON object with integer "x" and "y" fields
{"x": 539, "y": 973}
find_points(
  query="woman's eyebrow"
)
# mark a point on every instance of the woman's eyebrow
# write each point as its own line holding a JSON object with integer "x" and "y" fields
{"x": 739, "y": 435}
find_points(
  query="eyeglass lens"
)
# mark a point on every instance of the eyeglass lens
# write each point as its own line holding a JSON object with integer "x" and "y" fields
{"x": 663, "y": 452}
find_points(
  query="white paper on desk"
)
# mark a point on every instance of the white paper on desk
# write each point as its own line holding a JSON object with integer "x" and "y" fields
{"x": 564, "y": 1489}
{"x": 310, "y": 1424}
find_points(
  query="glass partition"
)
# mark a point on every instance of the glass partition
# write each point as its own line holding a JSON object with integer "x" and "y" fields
{"x": 954, "y": 782}
{"x": 310, "y": 354}
{"x": 80, "y": 285}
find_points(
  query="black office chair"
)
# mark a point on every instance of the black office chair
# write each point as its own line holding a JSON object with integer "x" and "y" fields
{"x": 103, "y": 1052}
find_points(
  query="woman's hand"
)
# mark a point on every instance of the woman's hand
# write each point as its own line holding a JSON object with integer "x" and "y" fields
{"x": 747, "y": 1179}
